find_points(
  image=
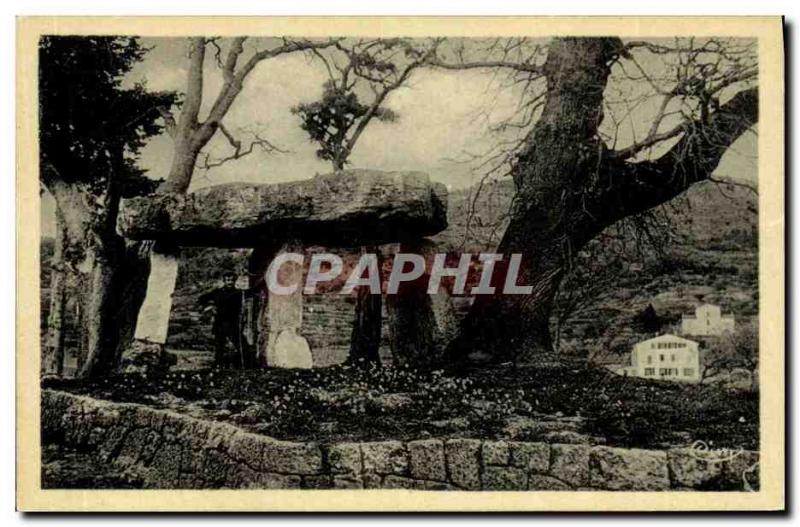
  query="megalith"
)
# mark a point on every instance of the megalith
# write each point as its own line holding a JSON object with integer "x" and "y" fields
{"x": 420, "y": 323}
{"x": 285, "y": 346}
{"x": 349, "y": 208}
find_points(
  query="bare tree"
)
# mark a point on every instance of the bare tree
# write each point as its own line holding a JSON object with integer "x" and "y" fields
{"x": 584, "y": 163}
{"x": 191, "y": 133}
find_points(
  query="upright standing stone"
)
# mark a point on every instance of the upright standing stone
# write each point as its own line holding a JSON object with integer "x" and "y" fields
{"x": 286, "y": 348}
{"x": 153, "y": 321}
{"x": 147, "y": 349}
{"x": 420, "y": 324}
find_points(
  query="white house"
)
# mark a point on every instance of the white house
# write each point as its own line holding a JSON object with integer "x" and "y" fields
{"x": 708, "y": 320}
{"x": 666, "y": 357}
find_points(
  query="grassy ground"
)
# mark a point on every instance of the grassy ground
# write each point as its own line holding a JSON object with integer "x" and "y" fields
{"x": 341, "y": 403}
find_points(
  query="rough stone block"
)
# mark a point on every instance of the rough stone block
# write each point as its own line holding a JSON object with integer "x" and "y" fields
{"x": 399, "y": 482}
{"x": 246, "y": 448}
{"x": 427, "y": 460}
{"x": 371, "y": 480}
{"x": 385, "y": 457}
{"x": 217, "y": 469}
{"x": 743, "y": 471}
{"x": 111, "y": 442}
{"x": 495, "y": 453}
{"x": 167, "y": 463}
{"x": 317, "y": 482}
{"x": 345, "y": 458}
{"x": 504, "y": 478}
{"x": 348, "y": 208}
{"x": 151, "y": 445}
{"x": 293, "y": 458}
{"x": 243, "y": 477}
{"x": 347, "y": 482}
{"x": 133, "y": 445}
{"x": 628, "y": 469}
{"x": 540, "y": 482}
{"x": 701, "y": 470}
{"x": 570, "y": 463}
{"x": 277, "y": 481}
{"x": 463, "y": 462}
{"x": 535, "y": 457}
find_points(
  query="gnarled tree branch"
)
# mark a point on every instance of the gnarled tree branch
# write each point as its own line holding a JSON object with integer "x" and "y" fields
{"x": 636, "y": 187}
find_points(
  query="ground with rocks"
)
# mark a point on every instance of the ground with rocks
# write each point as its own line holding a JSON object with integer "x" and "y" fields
{"x": 348, "y": 403}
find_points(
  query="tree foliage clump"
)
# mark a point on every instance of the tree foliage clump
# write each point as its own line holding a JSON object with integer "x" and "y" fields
{"x": 90, "y": 126}
{"x": 329, "y": 120}
{"x": 361, "y": 75}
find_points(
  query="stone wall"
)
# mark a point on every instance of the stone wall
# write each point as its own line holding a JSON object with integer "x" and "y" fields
{"x": 170, "y": 450}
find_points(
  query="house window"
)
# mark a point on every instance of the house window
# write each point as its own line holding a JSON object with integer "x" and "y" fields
{"x": 672, "y": 357}
{"x": 649, "y": 371}
{"x": 661, "y": 357}
{"x": 688, "y": 372}
{"x": 649, "y": 359}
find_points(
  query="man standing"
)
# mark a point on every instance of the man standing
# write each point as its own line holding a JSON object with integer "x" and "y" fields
{"x": 227, "y": 304}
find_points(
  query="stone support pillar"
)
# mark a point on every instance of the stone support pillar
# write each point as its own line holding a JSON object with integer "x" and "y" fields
{"x": 286, "y": 347}
{"x": 147, "y": 349}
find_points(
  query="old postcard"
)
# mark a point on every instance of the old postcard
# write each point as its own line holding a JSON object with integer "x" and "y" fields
{"x": 400, "y": 264}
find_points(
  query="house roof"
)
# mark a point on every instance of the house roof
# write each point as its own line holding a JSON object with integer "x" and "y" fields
{"x": 667, "y": 336}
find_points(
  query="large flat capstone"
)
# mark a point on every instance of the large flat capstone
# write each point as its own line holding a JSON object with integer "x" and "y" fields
{"x": 348, "y": 208}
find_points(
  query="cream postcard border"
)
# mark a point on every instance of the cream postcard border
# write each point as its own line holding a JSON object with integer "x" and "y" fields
{"x": 768, "y": 30}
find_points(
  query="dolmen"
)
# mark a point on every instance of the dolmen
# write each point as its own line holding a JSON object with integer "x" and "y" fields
{"x": 345, "y": 209}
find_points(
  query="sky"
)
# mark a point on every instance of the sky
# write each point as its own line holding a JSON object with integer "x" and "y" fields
{"x": 443, "y": 115}
{"x": 437, "y": 119}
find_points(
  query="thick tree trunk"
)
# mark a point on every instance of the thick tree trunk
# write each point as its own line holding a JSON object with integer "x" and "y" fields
{"x": 570, "y": 187}
{"x": 547, "y": 226}
{"x": 183, "y": 165}
{"x": 516, "y": 328}
{"x": 107, "y": 272}
{"x": 100, "y": 303}
{"x": 131, "y": 287}
{"x": 53, "y": 352}
{"x": 74, "y": 221}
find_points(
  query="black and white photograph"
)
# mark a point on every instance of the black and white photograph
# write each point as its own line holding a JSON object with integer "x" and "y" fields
{"x": 446, "y": 264}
